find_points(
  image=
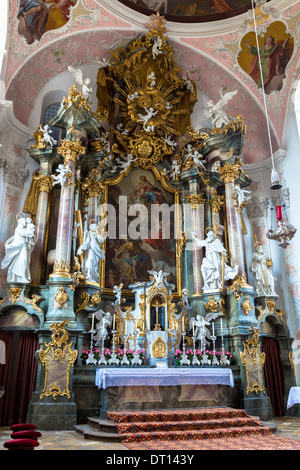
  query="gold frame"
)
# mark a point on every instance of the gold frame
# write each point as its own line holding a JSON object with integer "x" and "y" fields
{"x": 58, "y": 351}
{"x": 178, "y": 224}
{"x": 252, "y": 349}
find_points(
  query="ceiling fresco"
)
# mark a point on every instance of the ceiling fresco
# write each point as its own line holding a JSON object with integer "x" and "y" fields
{"x": 191, "y": 10}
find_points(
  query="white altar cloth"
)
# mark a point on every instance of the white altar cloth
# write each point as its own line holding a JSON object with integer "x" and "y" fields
{"x": 294, "y": 396}
{"x": 107, "y": 377}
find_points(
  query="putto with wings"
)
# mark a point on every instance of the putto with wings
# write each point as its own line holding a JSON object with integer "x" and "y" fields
{"x": 84, "y": 83}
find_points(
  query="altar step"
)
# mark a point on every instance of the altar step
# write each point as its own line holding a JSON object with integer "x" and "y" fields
{"x": 142, "y": 426}
{"x": 99, "y": 429}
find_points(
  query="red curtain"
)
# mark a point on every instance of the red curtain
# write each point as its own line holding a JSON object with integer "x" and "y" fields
{"x": 5, "y": 374}
{"x": 24, "y": 378}
{"x": 274, "y": 377}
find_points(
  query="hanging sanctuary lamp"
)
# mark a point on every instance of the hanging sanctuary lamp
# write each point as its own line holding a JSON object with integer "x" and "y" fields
{"x": 284, "y": 231}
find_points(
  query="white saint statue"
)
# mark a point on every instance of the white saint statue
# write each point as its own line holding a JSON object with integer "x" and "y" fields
{"x": 214, "y": 268}
{"x": 18, "y": 249}
{"x": 92, "y": 253}
{"x": 263, "y": 277}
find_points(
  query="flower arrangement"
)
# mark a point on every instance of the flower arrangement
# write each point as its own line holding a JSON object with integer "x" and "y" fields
{"x": 108, "y": 352}
{"x": 199, "y": 354}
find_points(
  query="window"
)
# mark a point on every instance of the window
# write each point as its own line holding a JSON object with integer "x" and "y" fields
{"x": 57, "y": 132}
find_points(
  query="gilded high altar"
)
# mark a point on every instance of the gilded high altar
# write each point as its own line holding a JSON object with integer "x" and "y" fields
{"x": 142, "y": 122}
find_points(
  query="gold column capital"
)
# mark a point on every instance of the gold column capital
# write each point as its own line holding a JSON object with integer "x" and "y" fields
{"x": 92, "y": 188}
{"x": 71, "y": 150}
{"x": 229, "y": 172}
{"x": 195, "y": 199}
{"x": 45, "y": 182}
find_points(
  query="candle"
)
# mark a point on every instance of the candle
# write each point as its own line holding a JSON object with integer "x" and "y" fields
{"x": 125, "y": 327}
{"x": 103, "y": 328}
{"x": 203, "y": 322}
{"x": 93, "y": 321}
{"x": 114, "y": 322}
{"x": 193, "y": 329}
{"x": 157, "y": 315}
{"x": 213, "y": 327}
{"x": 183, "y": 324}
{"x": 221, "y": 326}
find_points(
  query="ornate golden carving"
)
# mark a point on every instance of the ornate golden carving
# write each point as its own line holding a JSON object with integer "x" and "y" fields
{"x": 38, "y": 135}
{"x": 261, "y": 312}
{"x": 247, "y": 306}
{"x": 212, "y": 305}
{"x": 71, "y": 150}
{"x": 239, "y": 281}
{"x": 76, "y": 97}
{"x": 223, "y": 308}
{"x": 195, "y": 199}
{"x": 280, "y": 314}
{"x": 291, "y": 358}
{"x": 61, "y": 269}
{"x": 45, "y": 182}
{"x": 33, "y": 302}
{"x": 217, "y": 201}
{"x": 230, "y": 172}
{"x": 61, "y": 297}
{"x": 57, "y": 358}
{"x": 95, "y": 299}
{"x": 271, "y": 306}
{"x": 159, "y": 348}
{"x": 253, "y": 360}
{"x": 14, "y": 293}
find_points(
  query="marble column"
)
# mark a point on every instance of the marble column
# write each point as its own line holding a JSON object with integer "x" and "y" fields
{"x": 70, "y": 150}
{"x": 229, "y": 173}
{"x": 37, "y": 267}
{"x": 197, "y": 202}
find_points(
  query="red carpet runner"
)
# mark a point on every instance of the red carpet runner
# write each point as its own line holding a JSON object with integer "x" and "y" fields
{"x": 196, "y": 429}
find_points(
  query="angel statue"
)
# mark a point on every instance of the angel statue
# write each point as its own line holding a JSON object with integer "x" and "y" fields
{"x": 214, "y": 268}
{"x": 104, "y": 321}
{"x": 150, "y": 113}
{"x": 196, "y": 156}
{"x": 47, "y": 139}
{"x": 86, "y": 89}
{"x": 200, "y": 326}
{"x": 118, "y": 293}
{"x": 215, "y": 111}
{"x": 156, "y": 47}
{"x": 241, "y": 195}
{"x": 102, "y": 63}
{"x": 62, "y": 172}
{"x": 124, "y": 164}
{"x": 158, "y": 277}
{"x": 91, "y": 252}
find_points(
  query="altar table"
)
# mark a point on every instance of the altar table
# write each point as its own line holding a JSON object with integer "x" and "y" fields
{"x": 115, "y": 377}
{"x": 294, "y": 397}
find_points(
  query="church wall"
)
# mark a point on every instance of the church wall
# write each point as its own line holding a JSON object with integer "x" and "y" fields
{"x": 291, "y": 173}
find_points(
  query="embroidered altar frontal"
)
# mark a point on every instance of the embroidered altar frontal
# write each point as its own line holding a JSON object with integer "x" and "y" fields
{"x": 173, "y": 388}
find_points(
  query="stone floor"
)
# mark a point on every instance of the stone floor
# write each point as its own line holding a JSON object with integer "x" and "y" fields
{"x": 288, "y": 427}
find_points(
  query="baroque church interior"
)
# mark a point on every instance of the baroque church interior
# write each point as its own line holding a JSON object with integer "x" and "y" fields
{"x": 149, "y": 283}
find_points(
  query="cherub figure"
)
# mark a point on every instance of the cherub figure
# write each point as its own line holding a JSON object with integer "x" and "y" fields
{"x": 46, "y": 130}
{"x": 86, "y": 89}
{"x": 62, "y": 172}
{"x": 150, "y": 113}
